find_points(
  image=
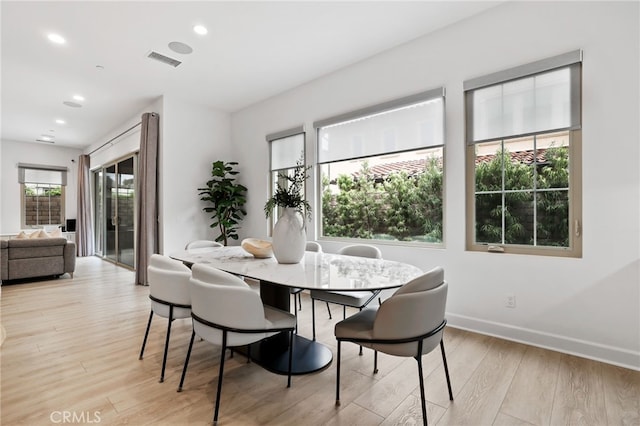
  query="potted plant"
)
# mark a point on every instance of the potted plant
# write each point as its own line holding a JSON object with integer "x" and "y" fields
{"x": 227, "y": 199}
{"x": 289, "y": 236}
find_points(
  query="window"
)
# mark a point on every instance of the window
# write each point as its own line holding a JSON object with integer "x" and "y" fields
{"x": 381, "y": 171}
{"x": 286, "y": 150}
{"x": 523, "y": 159}
{"x": 42, "y": 190}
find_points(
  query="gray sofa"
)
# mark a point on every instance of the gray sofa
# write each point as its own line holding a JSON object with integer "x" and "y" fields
{"x": 36, "y": 257}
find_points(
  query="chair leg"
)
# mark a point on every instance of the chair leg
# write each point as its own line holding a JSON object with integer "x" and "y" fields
{"x": 338, "y": 376}
{"x": 313, "y": 317}
{"x": 344, "y": 312}
{"x": 186, "y": 361}
{"x": 299, "y": 301}
{"x": 345, "y": 316}
{"x": 290, "y": 358}
{"x": 446, "y": 370}
{"x": 375, "y": 362}
{"x": 217, "y": 409}
{"x": 166, "y": 344}
{"x": 422, "y": 397}
{"x": 146, "y": 334}
{"x": 329, "y": 310}
{"x": 295, "y": 312}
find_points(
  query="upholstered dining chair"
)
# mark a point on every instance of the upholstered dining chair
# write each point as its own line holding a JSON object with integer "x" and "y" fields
{"x": 228, "y": 313}
{"x": 354, "y": 299}
{"x": 202, "y": 244}
{"x": 409, "y": 324}
{"x": 169, "y": 294}
{"x": 295, "y": 291}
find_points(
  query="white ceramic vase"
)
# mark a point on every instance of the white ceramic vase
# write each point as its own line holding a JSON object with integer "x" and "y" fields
{"x": 289, "y": 237}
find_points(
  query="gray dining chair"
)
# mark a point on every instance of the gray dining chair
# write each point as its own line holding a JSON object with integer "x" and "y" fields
{"x": 354, "y": 299}
{"x": 226, "y": 312}
{"x": 313, "y": 246}
{"x": 202, "y": 244}
{"x": 169, "y": 294}
{"x": 409, "y": 324}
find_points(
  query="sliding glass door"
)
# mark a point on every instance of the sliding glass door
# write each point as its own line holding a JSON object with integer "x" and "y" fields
{"x": 115, "y": 211}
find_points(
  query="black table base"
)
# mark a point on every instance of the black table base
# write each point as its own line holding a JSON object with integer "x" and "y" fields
{"x": 273, "y": 353}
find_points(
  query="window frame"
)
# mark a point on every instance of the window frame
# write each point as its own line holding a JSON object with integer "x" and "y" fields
{"x": 407, "y": 101}
{"x": 23, "y": 169}
{"x": 573, "y": 60}
{"x": 273, "y": 173}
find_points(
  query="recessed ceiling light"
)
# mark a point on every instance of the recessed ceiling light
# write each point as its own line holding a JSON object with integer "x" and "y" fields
{"x": 179, "y": 47}
{"x": 56, "y": 38}
{"x": 60, "y": 121}
{"x": 78, "y": 98}
{"x": 200, "y": 29}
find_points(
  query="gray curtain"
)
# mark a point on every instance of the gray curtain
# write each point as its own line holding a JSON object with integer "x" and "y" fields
{"x": 147, "y": 192}
{"x": 84, "y": 221}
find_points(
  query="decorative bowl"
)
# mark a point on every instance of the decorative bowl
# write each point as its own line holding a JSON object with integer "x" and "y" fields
{"x": 260, "y": 249}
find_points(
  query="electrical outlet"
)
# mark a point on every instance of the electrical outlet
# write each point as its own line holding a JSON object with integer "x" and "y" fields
{"x": 510, "y": 301}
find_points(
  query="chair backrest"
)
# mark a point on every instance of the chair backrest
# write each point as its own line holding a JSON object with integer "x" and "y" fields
{"x": 169, "y": 280}
{"x": 224, "y": 299}
{"x": 361, "y": 250}
{"x": 202, "y": 244}
{"x": 314, "y": 246}
{"x": 415, "y": 309}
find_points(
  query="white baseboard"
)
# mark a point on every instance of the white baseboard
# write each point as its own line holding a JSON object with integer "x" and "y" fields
{"x": 595, "y": 351}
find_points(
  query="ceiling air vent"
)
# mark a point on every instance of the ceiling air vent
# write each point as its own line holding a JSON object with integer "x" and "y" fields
{"x": 44, "y": 141}
{"x": 164, "y": 59}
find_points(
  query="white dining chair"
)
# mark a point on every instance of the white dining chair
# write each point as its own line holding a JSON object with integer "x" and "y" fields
{"x": 169, "y": 294}
{"x": 313, "y": 246}
{"x": 202, "y": 244}
{"x": 228, "y": 313}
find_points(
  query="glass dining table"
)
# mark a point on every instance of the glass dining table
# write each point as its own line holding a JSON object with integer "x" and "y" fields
{"x": 316, "y": 271}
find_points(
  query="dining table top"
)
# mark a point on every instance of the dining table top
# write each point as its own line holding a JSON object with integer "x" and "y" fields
{"x": 316, "y": 270}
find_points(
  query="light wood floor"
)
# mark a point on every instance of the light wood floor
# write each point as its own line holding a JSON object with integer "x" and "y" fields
{"x": 72, "y": 347}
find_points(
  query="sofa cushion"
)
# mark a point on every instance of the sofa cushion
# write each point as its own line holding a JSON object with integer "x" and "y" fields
{"x": 40, "y": 247}
{"x": 35, "y": 267}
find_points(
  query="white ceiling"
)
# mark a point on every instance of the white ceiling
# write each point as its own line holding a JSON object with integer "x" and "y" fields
{"x": 253, "y": 50}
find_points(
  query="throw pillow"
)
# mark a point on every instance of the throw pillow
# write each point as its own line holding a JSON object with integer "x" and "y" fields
{"x": 21, "y": 236}
{"x": 35, "y": 234}
{"x": 57, "y": 233}
{"x": 43, "y": 234}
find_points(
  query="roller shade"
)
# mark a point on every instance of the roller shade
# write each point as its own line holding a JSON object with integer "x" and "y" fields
{"x": 538, "y": 97}
{"x": 34, "y": 173}
{"x": 286, "y": 148}
{"x": 405, "y": 124}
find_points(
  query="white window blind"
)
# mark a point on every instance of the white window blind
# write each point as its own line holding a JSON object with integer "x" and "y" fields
{"x": 34, "y": 173}
{"x": 530, "y": 99}
{"x": 286, "y": 148}
{"x": 402, "y": 125}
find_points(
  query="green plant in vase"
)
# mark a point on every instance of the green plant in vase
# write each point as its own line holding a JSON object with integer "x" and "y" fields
{"x": 289, "y": 237}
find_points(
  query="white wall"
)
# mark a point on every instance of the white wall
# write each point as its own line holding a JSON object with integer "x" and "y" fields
{"x": 191, "y": 138}
{"x": 588, "y": 306}
{"x": 194, "y": 137}
{"x": 115, "y": 145}
{"x": 12, "y": 153}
